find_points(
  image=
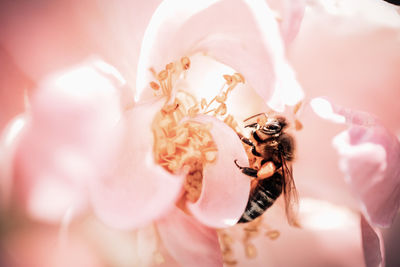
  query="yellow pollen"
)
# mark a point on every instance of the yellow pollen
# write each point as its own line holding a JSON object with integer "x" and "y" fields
{"x": 226, "y": 242}
{"x": 179, "y": 141}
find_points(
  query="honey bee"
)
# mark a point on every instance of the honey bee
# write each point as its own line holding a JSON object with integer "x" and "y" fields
{"x": 270, "y": 145}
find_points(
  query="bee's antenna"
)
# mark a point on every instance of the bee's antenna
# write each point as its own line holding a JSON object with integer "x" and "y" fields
{"x": 253, "y": 116}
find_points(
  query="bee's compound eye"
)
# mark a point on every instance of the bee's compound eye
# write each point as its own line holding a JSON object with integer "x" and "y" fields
{"x": 273, "y": 127}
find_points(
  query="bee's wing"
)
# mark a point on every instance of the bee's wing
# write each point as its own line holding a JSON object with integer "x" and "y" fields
{"x": 290, "y": 194}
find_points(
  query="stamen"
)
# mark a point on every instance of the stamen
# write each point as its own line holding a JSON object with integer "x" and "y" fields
{"x": 251, "y": 251}
{"x": 226, "y": 242}
{"x": 297, "y": 107}
{"x": 239, "y": 77}
{"x": 154, "y": 85}
{"x": 179, "y": 143}
{"x": 273, "y": 234}
{"x": 298, "y": 125}
{"x": 228, "y": 79}
{"x": 185, "y": 61}
{"x": 162, "y": 75}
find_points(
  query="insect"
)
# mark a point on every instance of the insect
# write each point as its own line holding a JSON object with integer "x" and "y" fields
{"x": 272, "y": 147}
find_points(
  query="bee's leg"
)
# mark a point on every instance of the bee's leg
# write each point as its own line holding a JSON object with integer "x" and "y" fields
{"x": 247, "y": 170}
{"x": 267, "y": 169}
{"x": 247, "y": 141}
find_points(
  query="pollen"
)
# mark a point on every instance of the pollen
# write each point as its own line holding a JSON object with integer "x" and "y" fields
{"x": 180, "y": 141}
{"x": 226, "y": 241}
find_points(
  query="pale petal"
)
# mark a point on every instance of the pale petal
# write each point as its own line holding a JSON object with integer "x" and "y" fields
{"x": 369, "y": 156}
{"x": 355, "y": 62}
{"x": 135, "y": 190}
{"x": 67, "y": 139}
{"x": 330, "y": 236}
{"x": 39, "y": 246}
{"x": 63, "y": 33}
{"x": 246, "y": 38}
{"x": 225, "y": 188}
{"x": 189, "y": 242}
{"x": 315, "y": 168}
{"x": 205, "y": 80}
{"x": 289, "y": 14}
{"x": 372, "y": 244}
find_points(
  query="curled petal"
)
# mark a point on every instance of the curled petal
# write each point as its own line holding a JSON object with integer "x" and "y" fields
{"x": 189, "y": 242}
{"x": 246, "y": 38}
{"x": 369, "y": 157}
{"x": 372, "y": 244}
{"x": 365, "y": 34}
{"x": 135, "y": 190}
{"x": 289, "y": 15}
{"x": 8, "y": 143}
{"x": 225, "y": 188}
{"x": 66, "y": 140}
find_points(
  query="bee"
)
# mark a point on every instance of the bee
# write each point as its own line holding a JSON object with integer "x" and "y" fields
{"x": 270, "y": 145}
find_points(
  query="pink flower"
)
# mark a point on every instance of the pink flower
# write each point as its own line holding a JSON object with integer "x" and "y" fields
{"x": 84, "y": 133}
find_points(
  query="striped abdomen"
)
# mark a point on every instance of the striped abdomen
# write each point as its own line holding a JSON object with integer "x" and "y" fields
{"x": 262, "y": 197}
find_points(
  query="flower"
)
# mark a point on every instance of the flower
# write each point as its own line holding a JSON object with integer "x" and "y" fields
{"x": 106, "y": 146}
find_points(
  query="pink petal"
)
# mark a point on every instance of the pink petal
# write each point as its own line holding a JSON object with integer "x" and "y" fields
{"x": 364, "y": 35}
{"x": 63, "y": 33}
{"x": 225, "y": 188}
{"x": 68, "y": 138}
{"x": 13, "y": 86}
{"x": 135, "y": 190}
{"x": 39, "y": 247}
{"x": 372, "y": 244}
{"x": 369, "y": 157}
{"x": 188, "y": 242}
{"x": 290, "y": 13}
{"x": 8, "y": 144}
{"x": 315, "y": 168}
{"x": 246, "y": 38}
{"x": 330, "y": 236}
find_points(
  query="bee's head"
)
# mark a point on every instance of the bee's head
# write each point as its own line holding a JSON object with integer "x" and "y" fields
{"x": 273, "y": 126}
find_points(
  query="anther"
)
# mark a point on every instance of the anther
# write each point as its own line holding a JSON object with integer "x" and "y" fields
{"x": 170, "y": 66}
{"x": 185, "y": 61}
{"x": 228, "y": 79}
{"x": 239, "y": 77}
{"x": 298, "y": 125}
{"x": 251, "y": 251}
{"x": 221, "y": 110}
{"x": 221, "y": 98}
{"x": 203, "y": 103}
{"x": 162, "y": 75}
{"x": 272, "y": 234}
{"x": 154, "y": 85}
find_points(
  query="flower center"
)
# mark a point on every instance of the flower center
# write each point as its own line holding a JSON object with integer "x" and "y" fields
{"x": 179, "y": 140}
